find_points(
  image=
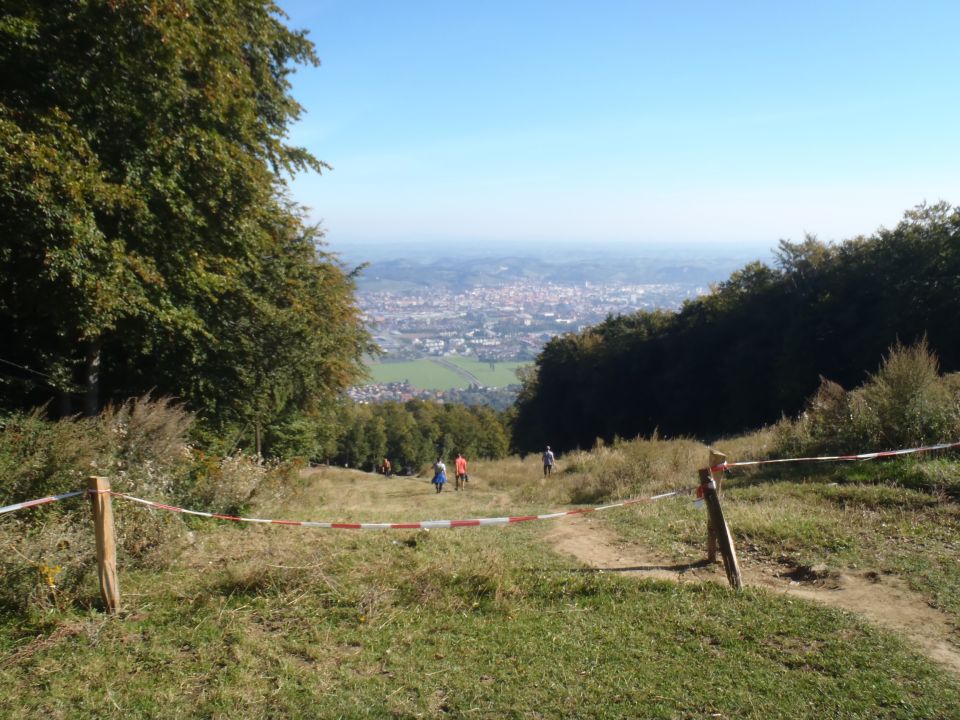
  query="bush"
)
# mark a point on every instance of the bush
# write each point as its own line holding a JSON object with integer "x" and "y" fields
{"x": 40, "y": 458}
{"x": 906, "y": 403}
{"x": 142, "y": 447}
{"x": 148, "y": 451}
{"x": 47, "y": 559}
{"x": 227, "y": 485}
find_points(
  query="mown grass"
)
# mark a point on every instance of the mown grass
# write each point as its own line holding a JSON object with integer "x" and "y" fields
{"x": 421, "y": 374}
{"x": 502, "y": 374}
{"x": 428, "y": 375}
{"x": 252, "y": 621}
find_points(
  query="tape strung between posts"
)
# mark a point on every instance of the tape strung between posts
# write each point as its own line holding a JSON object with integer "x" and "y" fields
{"x": 827, "y": 458}
{"x": 41, "y": 501}
{"x": 427, "y": 524}
{"x": 421, "y": 525}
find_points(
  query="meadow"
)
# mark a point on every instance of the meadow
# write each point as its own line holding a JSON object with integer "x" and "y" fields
{"x": 421, "y": 373}
{"x": 426, "y": 374}
{"x": 240, "y": 621}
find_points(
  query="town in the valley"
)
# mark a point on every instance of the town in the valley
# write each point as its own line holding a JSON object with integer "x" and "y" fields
{"x": 505, "y": 323}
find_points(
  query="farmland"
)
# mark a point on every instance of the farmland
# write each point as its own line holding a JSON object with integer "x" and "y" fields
{"x": 428, "y": 374}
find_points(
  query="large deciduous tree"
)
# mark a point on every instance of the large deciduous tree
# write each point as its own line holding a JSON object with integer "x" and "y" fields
{"x": 146, "y": 238}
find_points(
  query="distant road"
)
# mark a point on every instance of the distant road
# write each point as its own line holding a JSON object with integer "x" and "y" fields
{"x": 465, "y": 374}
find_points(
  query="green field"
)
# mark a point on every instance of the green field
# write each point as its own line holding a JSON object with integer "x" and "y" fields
{"x": 427, "y": 374}
{"x": 503, "y": 374}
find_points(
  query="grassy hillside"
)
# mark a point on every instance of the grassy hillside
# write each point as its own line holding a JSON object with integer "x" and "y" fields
{"x": 251, "y": 621}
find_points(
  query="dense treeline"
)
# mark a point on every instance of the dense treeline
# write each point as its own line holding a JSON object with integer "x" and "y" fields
{"x": 415, "y": 433}
{"x": 755, "y": 347}
{"x": 147, "y": 242}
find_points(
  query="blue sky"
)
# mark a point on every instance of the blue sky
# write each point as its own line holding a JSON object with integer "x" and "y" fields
{"x": 524, "y": 123}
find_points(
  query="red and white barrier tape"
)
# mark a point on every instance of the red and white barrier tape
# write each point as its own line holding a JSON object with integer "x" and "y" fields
{"x": 478, "y": 522}
{"x": 417, "y": 525}
{"x": 41, "y": 501}
{"x": 825, "y": 458}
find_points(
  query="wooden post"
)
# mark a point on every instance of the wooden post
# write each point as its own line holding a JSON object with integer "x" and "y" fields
{"x": 720, "y": 533}
{"x": 716, "y": 458}
{"x": 99, "y": 488}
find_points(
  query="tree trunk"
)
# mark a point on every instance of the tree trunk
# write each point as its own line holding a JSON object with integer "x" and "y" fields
{"x": 64, "y": 404}
{"x": 91, "y": 401}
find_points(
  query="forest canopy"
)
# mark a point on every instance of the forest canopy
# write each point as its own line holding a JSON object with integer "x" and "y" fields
{"x": 147, "y": 240}
{"x": 755, "y": 347}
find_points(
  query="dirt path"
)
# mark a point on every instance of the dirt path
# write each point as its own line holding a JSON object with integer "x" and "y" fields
{"x": 883, "y": 600}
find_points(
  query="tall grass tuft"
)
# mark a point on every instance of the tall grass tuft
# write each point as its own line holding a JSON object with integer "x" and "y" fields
{"x": 142, "y": 447}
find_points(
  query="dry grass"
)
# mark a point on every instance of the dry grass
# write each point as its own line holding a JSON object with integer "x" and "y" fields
{"x": 251, "y": 621}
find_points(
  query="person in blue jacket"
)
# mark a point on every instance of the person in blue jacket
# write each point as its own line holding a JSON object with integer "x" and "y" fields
{"x": 439, "y": 474}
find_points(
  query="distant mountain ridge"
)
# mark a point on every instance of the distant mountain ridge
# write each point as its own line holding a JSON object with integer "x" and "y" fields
{"x": 495, "y": 270}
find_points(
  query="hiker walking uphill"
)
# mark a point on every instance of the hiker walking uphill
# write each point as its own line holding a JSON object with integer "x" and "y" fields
{"x": 461, "y": 467}
{"x": 439, "y": 474}
{"x": 548, "y": 461}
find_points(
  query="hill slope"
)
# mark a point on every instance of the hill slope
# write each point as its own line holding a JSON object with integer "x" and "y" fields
{"x": 277, "y": 621}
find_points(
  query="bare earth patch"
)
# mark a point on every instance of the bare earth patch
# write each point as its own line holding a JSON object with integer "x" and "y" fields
{"x": 883, "y": 600}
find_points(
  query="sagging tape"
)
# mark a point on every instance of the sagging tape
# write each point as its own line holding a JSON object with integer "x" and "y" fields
{"x": 828, "y": 458}
{"x": 417, "y": 525}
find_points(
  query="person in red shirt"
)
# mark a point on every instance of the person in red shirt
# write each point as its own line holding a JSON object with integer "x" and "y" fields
{"x": 461, "y": 467}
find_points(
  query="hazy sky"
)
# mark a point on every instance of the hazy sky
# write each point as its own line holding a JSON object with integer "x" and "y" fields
{"x": 601, "y": 121}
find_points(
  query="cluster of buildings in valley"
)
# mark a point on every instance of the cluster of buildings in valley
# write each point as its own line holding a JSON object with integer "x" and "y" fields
{"x": 497, "y": 398}
{"x": 509, "y": 321}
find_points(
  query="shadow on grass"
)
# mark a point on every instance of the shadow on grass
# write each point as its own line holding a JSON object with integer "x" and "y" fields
{"x": 682, "y": 567}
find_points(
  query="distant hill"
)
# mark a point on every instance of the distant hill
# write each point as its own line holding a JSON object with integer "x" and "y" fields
{"x": 466, "y": 272}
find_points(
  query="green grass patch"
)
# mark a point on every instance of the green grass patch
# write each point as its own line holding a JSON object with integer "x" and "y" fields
{"x": 500, "y": 375}
{"x": 422, "y": 374}
{"x": 429, "y": 375}
{"x": 893, "y": 518}
{"x": 452, "y": 624}
{"x": 251, "y": 621}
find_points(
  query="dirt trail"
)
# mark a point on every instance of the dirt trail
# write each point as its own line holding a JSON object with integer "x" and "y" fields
{"x": 883, "y": 600}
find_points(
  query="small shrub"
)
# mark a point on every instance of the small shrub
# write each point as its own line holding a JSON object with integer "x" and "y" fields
{"x": 47, "y": 560}
{"x": 40, "y": 458}
{"x": 905, "y": 403}
{"x": 908, "y": 400}
{"x": 228, "y": 485}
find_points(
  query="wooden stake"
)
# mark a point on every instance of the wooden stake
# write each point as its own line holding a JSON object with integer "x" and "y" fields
{"x": 711, "y": 530}
{"x": 716, "y": 458}
{"x": 99, "y": 488}
{"x": 720, "y": 532}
